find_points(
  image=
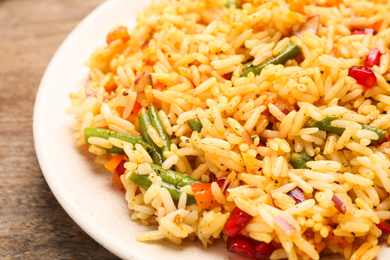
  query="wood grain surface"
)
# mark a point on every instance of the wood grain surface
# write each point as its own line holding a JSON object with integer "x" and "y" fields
{"x": 32, "y": 223}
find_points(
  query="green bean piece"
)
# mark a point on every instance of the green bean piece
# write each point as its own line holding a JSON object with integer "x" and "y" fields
{"x": 144, "y": 182}
{"x": 299, "y": 160}
{"x": 175, "y": 178}
{"x": 230, "y": 3}
{"x": 290, "y": 52}
{"x": 144, "y": 122}
{"x": 247, "y": 65}
{"x": 381, "y": 133}
{"x": 158, "y": 125}
{"x": 325, "y": 124}
{"x": 106, "y": 133}
{"x": 195, "y": 124}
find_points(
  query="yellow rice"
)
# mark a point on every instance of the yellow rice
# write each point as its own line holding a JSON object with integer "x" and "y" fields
{"x": 195, "y": 52}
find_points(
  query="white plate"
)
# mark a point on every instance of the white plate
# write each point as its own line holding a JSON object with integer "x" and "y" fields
{"x": 83, "y": 189}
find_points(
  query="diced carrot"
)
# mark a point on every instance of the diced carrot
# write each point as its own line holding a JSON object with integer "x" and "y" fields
{"x": 119, "y": 32}
{"x": 298, "y": 6}
{"x": 156, "y": 101}
{"x": 120, "y": 110}
{"x": 85, "y": 146}
{"x": 111, "y": 165}
{"x": 110, "y": 86}
{"x": 376, "y": 26}
{"x": 320, "y": 246}
{"x": 338, "y": 241}
{"x": 204, "y": 196}
{"x": 132, "y": 118}
{"x": 330, "y": 3}
{"x": 117, "y": 180}
{"x": 158, "y": 85}
{"x": 137, "y": 107}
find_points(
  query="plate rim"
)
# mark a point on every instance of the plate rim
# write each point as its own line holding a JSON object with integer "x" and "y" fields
{"x": 95, "y": 13}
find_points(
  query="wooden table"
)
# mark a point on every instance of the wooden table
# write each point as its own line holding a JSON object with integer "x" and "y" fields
{"x": 32, "y": 223}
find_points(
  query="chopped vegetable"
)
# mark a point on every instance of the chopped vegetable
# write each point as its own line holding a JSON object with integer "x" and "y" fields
{"x": 158, "y": 85}
{"x": 373, "y": 58}
{"x": 270, "y": 200}
{"x": 106, "y": 133}
{"x": 364, "y": 76}
{"x": 241, "y": 245}
{"x": 157, "y": 124}
{"x": 283, "y": 105}
{"x": 113, "y": 164}
{"x": 118, "y": 182}
{"x": 299, "y": 160}
{"x": 120, "y": 169}
{"x": 263, "y": 250}
{"x": 290, "y": 52}
{"x": 172, "y": 181}
{"x": 119, "y": 32}
{"x": 137, "y": 107}
{"x": 246, "y": 137}
{"x": 249, "y": 160}
{"x": 325, "y": 124}
{"x": 195, "y": 125}
{"x": 339, "y": 241}
{"x": 142, "y": 81}
{"x": 175, "y": 178}
{"x": 144, "y": 182}
{"x": 116, "y": 165}
{"x": 297, "y": 195}
{"x": 204, "y": 196}
{"x": 111, "y": 85}
{"x": 230, "y": 3}
{"x": 378, "y": 131}
{"x": 249, "y": 248}
{"x": 221, "y": 182}
{"x": 384, "y": 226}
{"x": 133, "y": 115}
{"x": 339, "y": 204}
{"x": 238, "y": 219}
{"x": 311, "y": 25}
{"x": 90, "y": 92}
{"x": 286, "y": 227}
{"x": 362, "y": 31}
{"x": 144, "y": 122}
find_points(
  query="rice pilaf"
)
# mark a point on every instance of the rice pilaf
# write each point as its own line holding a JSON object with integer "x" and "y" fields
{"x": 263, "y": 123}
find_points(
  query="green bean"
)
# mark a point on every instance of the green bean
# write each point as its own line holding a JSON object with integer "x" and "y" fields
{"x": 157, "y": 124}
{"x": 290, "y": 52}
{"x": 299, "y": 160}
{"x": 106, "y": 133}
{"x": 230, "y": 3}
{"x": 195, "y": 124}
{"x": 325, "y": 124}
{"x": 378, "y": 131}
{"x": 144, "y": 182}
{"x": 175, "y": 178}
{"x": 144, "y": 122}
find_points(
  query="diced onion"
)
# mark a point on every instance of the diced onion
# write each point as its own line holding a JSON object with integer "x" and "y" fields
{"x": 339, "y": 204}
